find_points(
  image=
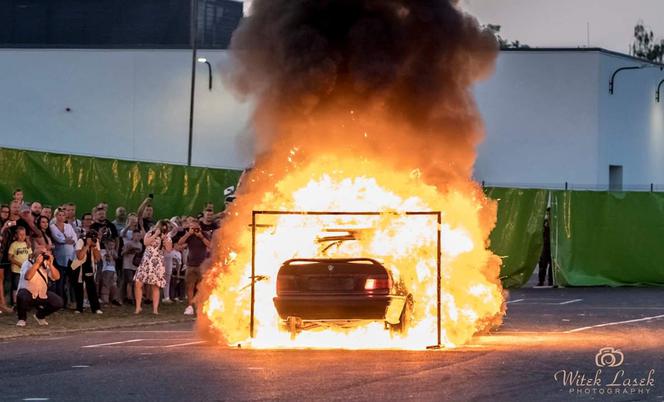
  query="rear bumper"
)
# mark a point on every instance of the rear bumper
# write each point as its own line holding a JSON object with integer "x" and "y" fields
{"x": 316, "y": 307}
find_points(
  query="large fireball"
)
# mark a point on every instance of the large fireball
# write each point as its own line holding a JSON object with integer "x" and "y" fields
{"x": 361, "y": 106}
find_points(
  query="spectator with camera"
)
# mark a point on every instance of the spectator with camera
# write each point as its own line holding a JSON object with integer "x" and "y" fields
{"x": 33, "y": 288}
{"x": 84, "y": 267}
{"x": 207, "y": 223}
{"x": 197, "y": 242}
{"x": 151, "y": 271}
{"x": 64, "y": 238}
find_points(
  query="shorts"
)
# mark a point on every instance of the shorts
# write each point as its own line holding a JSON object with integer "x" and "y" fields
{"x": 128, "y": 275}
{"x": 193, "y": 276}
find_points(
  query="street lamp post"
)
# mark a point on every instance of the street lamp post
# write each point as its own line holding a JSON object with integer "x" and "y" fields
{"x": 194, "y": 44}
{"x": 204, "y": 60}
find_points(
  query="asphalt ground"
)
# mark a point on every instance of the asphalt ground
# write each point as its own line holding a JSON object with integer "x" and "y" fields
{"x": 547, "y": 334}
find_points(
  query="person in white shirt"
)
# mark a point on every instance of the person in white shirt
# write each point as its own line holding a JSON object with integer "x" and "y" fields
{"x": 64, "y": 238}
{"x": 33, "y": 287}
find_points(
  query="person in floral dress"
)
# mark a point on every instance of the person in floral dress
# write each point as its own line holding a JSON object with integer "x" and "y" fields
{"x": 152, "y": 270}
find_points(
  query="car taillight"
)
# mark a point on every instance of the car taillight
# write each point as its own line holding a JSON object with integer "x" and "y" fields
{"x": 378, "y": 284}
{"x": 286, "y": 282}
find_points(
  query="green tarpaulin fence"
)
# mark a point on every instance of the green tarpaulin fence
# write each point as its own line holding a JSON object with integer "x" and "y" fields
{"x": 54, "y": 179}
{"x": 608, "y": 238}
{"x": 597, "y": 238}
{"x": 517, "y": 237}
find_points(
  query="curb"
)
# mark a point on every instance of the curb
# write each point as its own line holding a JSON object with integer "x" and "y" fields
{"x": 63, "y": 331}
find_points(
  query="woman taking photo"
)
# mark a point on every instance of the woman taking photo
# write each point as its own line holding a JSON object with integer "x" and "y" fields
{"x": 152, "y": 270}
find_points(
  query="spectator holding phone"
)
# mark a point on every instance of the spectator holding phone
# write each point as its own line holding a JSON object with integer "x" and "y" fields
{"x": 152, "y": 270}
{"x": 33, "y": 287}
{"x": 198, "y": 244}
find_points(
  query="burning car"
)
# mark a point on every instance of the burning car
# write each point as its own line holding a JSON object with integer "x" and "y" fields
{"x": 340, "y": 292}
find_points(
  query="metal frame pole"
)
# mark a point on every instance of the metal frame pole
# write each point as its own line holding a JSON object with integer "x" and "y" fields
{"x": 439, "y": 276}
{"x": 253, "y": 271}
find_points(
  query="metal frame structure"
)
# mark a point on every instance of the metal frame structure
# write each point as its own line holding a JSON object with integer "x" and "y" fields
{"x": 438, "y": 214}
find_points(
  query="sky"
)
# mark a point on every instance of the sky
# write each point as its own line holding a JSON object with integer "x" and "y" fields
{"x": 564, "y": 23}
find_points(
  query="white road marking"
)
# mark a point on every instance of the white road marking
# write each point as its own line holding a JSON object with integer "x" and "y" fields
{"x": 571, "y": 301}
{"x": 184, "y": 344}
{"x": 608, "y": 324}
{"x": 112, "y": 343}
{"x": 515, "y": 301}
{"x": 80, "y": 366}
{"x": 36, "y": 399}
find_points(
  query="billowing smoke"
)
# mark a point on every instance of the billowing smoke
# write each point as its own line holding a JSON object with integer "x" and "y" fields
{"x": 412, "y": 62}
{"x": 361, "y": 105}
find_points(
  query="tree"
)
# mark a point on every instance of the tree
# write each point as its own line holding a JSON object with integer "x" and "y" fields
{"x": 645, "y": 46}
{"x": 504, "y": 43}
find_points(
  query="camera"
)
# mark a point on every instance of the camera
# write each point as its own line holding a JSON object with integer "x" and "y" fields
{"x": 92, "y": 235}
{"x": 46, "y": 257}
{"x": 197, "y": 230}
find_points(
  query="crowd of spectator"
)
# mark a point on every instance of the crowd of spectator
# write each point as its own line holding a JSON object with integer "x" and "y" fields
{"x": 50, "y": 259}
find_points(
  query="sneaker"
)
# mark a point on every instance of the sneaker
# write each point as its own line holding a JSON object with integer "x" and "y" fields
{"x": 77, "y": 312}
{"x": 40, "y": 321}
{"x": 99, "y": 312}
{"x": 189, "y": 310}
{"x": 21, "y": 323}
{"x": 166, "y": 300}
{"x": 116, "y": 303}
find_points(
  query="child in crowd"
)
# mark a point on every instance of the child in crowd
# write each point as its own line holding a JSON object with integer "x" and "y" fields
{"x": 19, "y": 251}
{"x": 109, "y": 276}
{"x": 130, "y": 256}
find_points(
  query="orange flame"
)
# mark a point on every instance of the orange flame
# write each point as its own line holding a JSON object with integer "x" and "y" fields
{"x": 471, "y": 298}
{"x": 371, "y": 113}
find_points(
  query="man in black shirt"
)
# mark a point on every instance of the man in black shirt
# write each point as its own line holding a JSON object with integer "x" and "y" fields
{"x": 207, "y": 222}
{"x": 105, "y": 229}
{"x": 198, "y": 243}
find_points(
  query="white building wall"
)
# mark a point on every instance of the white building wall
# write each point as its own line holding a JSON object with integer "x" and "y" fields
{"x": 548, "y": 115}
{"x": 127, "y": 104}
{"x": 540, "y": 112}
{"x": 631, "y": 123}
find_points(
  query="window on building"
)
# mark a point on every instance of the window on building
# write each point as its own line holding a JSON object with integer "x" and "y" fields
{"x": 116, "y": 23}
{"x": 615, "y": 177}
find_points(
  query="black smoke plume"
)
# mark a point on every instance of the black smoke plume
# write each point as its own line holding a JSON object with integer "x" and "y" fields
{"x": 410, "y": 61}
